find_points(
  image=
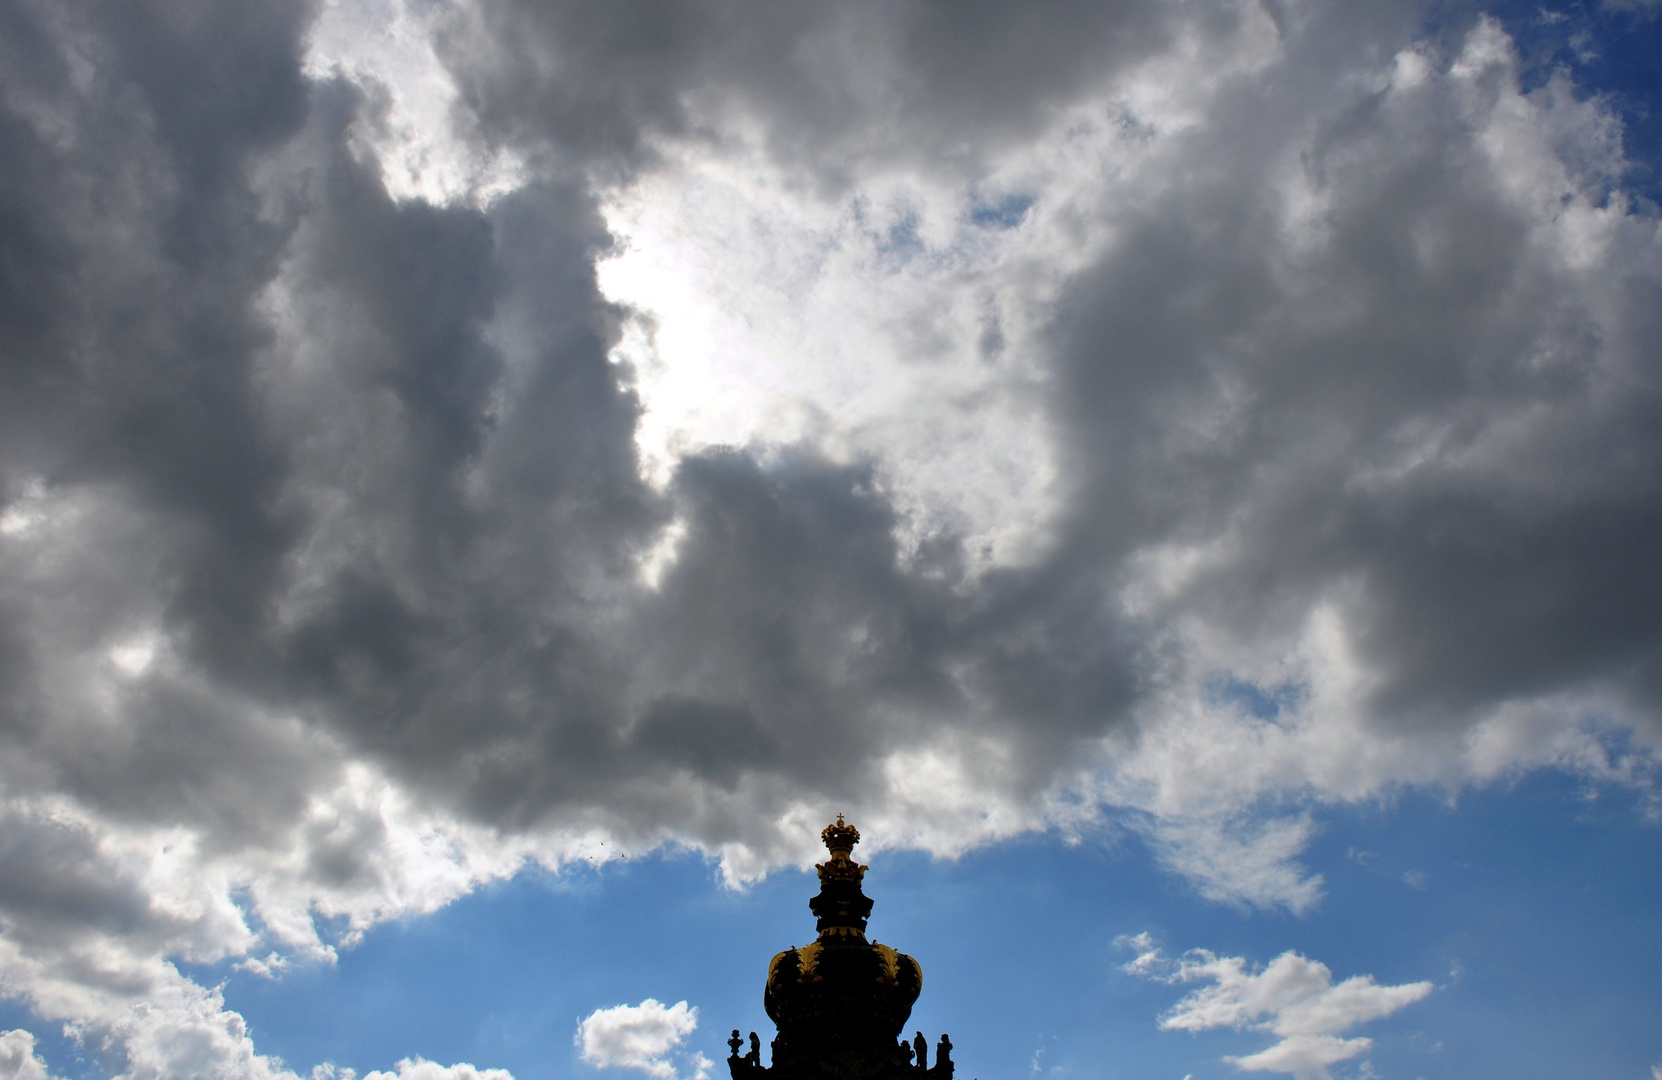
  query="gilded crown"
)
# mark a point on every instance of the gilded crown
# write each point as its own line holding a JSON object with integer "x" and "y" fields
{"x": 840, "y": 837}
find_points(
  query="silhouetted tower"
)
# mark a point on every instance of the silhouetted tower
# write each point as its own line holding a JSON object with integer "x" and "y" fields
{"x": 841, "y": 1003}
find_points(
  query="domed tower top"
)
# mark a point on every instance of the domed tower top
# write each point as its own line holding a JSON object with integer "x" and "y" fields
{"x": 841, "y": 909}
{"x": 841, "y": 1001}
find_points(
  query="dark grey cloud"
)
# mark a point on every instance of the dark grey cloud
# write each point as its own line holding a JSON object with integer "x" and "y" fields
{"x": 427, "y": 548}
{"x": 473, "y": 499}
{"x": 135, "y": 249}
{"x": 64, "y": 896}
{"x": 1507, "y": 556}
{"x": 833, "y": 85}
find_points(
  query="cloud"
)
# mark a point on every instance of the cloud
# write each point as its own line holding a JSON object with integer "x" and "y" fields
{"x": 419, "y": 1069}
{"x": 1247, "y": 861}
{"x": 980, "y": 421}
{"x": 18, "y": 1060}
{"x": 1293, "y": 997}
{"x": 640, "y": 1037}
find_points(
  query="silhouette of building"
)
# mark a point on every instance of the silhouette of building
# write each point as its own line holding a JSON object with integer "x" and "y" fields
{"x": 841, "y": 1003}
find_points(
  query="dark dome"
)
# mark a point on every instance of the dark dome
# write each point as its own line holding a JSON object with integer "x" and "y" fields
{"x": 846, "y": 984}
{"x": 841, "y": 1001}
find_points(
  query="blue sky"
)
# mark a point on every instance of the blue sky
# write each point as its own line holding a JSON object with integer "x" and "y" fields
{"x": 1609, "y": 50}
{"x": 1530, "y": 906}
{"x": 483, "y": 482}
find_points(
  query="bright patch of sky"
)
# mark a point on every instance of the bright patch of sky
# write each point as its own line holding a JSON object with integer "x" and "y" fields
{"x": 885, "y": 325}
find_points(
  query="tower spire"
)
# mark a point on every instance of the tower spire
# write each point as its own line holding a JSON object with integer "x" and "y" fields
{"x": 841, "y": 908}
{"x": 841, "y": 1002}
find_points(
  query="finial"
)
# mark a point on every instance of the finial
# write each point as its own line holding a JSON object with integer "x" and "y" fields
{"x": 840, "y": 838}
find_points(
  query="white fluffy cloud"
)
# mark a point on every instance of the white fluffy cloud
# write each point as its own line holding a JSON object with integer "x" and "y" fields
{"x": 1293, "y": 997}
{"x": 643, "y": 1037}
{"x": 420, "y": 1069}
{"x": 18, "y": 1060}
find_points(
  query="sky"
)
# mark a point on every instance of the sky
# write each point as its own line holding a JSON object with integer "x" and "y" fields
{"x": 483, "y": 482}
